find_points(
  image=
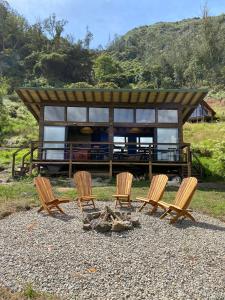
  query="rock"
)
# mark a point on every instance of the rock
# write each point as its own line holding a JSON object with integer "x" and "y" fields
{"x": 102, "y": 226}
{"x": 135, "y": 222}
{"x": 93, "y": 215}
{"x": 121, "y": 225}
{"x": 87, "y": 227}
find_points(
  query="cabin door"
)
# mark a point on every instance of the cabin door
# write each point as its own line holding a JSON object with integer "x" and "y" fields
{"x": 54, "y": 134}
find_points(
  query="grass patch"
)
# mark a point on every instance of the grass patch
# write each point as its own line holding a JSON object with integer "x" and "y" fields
{"x": 28, "y": 294}
{"x": 17, "y": 196}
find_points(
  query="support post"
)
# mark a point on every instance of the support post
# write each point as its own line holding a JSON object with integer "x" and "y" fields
{"x": 70, "y": 160}
{"x": 31, "y": 158}
{"x": 150, "y": 170}
{"x": 110, "y": 169}
{"x": 189, "y": 161}
{"x": 13, "y": 165}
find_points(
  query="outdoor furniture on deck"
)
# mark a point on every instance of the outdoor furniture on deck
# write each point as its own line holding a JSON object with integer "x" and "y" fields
{"x": 182, "y": 200}
{"x": 123, "y": 188}
{"x": 83, "y": 184}
{"x": 46, "y": 195}
{"x": 155, "y": 193}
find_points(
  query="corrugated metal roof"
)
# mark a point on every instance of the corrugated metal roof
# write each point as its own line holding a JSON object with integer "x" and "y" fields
{"x": 187, "y": 98}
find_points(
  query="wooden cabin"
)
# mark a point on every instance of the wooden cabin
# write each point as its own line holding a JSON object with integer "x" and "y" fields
{"x": 110, "y": 130}
{"x": 203, "y": 113}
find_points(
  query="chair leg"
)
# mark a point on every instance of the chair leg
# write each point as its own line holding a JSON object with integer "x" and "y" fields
{"x": 79, "y": 204}
{"x": 93, "y": 203}
{"x": 143, "y": 205}
{"x": 60, "y": 209}
{"x": 154, "y": 209}
{"x": 40, "y": 209}
{"x": 187, "y": 214}
{"x": 165, "y": 213}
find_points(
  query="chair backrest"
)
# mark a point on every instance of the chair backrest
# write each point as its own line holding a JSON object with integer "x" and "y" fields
{"x": 157, "y": 187}
{"x": 44, "y": 189}
{"x": 83, "y": 181}
{"x": 123, "y": 183}
{"x": 186, "y": 192}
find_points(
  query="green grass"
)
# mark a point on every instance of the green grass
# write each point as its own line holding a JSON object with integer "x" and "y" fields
{"x": 27, "y": 294}
{"x": 16, "y": 196}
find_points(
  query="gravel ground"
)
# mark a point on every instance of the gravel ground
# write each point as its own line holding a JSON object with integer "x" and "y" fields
{"x": 156, "y": 261}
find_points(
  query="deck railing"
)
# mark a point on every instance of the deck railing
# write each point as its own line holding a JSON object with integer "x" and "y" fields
{"x": 50, "y": 152}
{"x": 105, "y": 151}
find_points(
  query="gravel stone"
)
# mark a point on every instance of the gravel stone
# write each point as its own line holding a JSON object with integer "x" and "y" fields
{"x": 154, "y": 261}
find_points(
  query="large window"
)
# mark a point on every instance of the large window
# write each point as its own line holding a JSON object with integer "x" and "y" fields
{"x": 123, "y": 115}
{"x": 54, "y": 113}
{"x": 54, "y": 134}
{"x": 167, "y": 116}
{"x": 167, "y": 152}
{"x": 77, "y": 114}
{"x": 145, "y": 115}
{"x": 98, "y": 114}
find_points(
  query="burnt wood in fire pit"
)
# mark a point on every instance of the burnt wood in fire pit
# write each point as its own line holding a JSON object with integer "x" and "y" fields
{"x": 109, "y": 220}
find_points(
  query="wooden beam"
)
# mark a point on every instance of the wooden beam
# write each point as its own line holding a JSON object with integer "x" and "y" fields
{"x": 93, "y": 96}
{"x": 129, "y": 98}
{"x": 47, "y": 94}
{"x": 39, "y": 95}
{"x": 57, "y": 96}
{"x": 147, "y": 96}
{"x": 155, "y": 98}
{"x": 84, "y": 96}
{"x": 66, "y": 96}
{"x": 75, "y": 96}
{"x": 138, "y": 97}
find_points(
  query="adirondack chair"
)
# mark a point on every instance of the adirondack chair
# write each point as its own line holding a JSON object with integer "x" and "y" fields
{"x": 47, "y": 197}
{"x": 83, "y": 183}
{"x": 155, "y": 192}
{"x": 182, "y": 200}
{"x": 123, "y": 188}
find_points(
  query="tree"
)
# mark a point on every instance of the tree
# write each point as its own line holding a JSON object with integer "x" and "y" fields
{"x": 105, "y": 67}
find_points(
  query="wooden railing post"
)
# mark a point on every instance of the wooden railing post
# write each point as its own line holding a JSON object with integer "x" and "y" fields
{"x": 189, "y": 161}
{"x": 70, "y": 160}
{"x": 150, "y": 163}
{"x": 31, "y": 159}
{"x": 13, "y": 165}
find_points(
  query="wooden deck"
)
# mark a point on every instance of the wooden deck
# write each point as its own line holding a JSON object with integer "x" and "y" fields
{"x": 78, "y": 155}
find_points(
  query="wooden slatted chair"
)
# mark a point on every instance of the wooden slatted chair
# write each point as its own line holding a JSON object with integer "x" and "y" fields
{"x": 83, "y": 183}
{"x": 182, "y": 200}
{"x": 47, "y": 197}
{"x": 155, "y": 193}
{"x": 123, "y": 188}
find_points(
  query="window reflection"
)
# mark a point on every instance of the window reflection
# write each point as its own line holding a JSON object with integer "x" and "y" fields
{"x": 145, "y": 115}
{"x": 78, "y": 114}
{"x": 98, "y": 114}
{"x": 123, "y": 115}
{"x": 167, "y": 116}
{"x": 54, "y": 113}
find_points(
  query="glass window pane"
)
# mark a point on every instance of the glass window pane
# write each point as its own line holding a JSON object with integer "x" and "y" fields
{"x": 54, "y": 113}
{"x": 78, "y": 114}
{"x": 122, "y": 115}
{"x": 145, "y": 115}
{"x": 167, "y": 152}
{"x": 54, "y": 133}
{"x": 98, "y": 114}
{"x": 167, "y": 116}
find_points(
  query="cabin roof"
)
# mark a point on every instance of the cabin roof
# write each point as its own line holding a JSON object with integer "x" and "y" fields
{"x": 34, "y": 97}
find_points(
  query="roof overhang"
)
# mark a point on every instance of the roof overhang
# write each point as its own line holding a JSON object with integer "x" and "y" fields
{"x": 187, "y": 99}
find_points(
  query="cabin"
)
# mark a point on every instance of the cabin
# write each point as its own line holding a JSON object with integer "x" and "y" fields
{"x": 203, "y": 113}
{"x": 106, "y": 131}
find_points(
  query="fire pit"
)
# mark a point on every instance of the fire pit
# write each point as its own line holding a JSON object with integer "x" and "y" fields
{"x": 109, "y": 220}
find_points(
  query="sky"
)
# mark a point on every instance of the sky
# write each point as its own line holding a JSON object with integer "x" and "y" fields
{"x": 105, "y": 18}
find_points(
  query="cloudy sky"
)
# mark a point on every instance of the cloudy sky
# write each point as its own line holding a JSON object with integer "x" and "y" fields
{"x": 105, "y": 18}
